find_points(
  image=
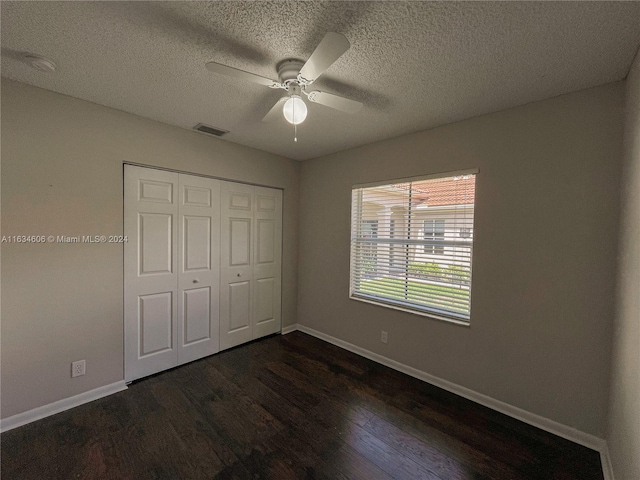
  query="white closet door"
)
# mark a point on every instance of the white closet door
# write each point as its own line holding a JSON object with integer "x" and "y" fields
{"x": 202, "y": 267}
{"x": 267, "y": 278}
{"x": 236, "y": 264}
{"x": 150, "y": 276}
{"x": 198, "y": 267}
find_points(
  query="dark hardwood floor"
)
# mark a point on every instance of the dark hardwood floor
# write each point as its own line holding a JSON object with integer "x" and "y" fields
{"x": 288, "y": 407}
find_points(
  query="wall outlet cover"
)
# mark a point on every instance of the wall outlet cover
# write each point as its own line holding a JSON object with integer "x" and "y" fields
{"x": 78, "y": 368}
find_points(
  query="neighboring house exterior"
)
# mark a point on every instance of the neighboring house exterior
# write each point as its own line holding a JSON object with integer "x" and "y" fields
{"x": 426, "y": 232}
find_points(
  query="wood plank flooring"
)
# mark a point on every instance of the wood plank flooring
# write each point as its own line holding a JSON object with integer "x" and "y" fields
{"x": 288, "y": 407}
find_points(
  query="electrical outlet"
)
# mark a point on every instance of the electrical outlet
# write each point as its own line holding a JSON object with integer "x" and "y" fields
{"x": 78, "y": 368}
{"x": 384, "y": 336}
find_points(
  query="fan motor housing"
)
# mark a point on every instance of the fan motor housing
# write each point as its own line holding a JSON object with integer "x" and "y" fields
{"x": 288, "y": 70}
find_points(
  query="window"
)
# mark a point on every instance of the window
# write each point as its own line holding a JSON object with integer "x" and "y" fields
{"x": 370, "y": 228}
{"x": 369, "y": 247}
{"x": 412, "y": 245}
{"x": 434, "y": 236}
{"x": 392, "y": 248}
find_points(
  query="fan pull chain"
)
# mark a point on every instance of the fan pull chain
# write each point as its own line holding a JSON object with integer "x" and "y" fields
{"x": 295, "y": 126}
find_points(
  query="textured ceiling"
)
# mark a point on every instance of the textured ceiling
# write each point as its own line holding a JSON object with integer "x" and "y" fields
{"x": 414, "y": 65}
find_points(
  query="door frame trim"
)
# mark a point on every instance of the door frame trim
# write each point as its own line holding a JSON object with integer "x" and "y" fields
{"x": 173, "y": 170}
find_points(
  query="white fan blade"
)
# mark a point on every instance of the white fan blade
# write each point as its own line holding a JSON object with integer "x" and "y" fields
{"x": 334, "y": 101}
{"x": 276, "y": 111}
{"x": 332, "y": 46}
{"x": 241, "y": 74}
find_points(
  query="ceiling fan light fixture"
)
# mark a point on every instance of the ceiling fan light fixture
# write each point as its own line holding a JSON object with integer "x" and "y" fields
{"x": 295, "y": 110}
{"x": 295, "y": 76}
{"x": 39, "y": 62}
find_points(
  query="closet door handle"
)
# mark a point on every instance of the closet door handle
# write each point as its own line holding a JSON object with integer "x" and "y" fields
{"x": 196, "y": 280}
{"x": 239, "y": 274}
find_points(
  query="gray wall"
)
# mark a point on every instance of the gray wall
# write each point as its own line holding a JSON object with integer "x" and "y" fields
{"x": 623, "y": 433}
{"x": 62, "y": 167}
{"x": 544, "y": 263}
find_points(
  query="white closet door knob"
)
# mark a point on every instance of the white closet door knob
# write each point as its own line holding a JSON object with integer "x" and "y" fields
{"x": 239, "y": 274}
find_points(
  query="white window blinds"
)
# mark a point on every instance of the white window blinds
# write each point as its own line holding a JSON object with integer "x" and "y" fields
{"x": 412, "y": 245}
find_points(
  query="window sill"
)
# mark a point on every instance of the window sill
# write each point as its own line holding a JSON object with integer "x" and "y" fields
{"x": 395, "y": 306}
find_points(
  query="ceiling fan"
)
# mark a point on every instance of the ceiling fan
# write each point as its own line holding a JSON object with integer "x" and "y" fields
{"x": 295, "y": 77}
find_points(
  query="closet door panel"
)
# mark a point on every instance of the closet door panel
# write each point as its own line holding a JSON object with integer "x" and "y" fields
{"x": 267, "y": 306}
{"x": 197, "y": 243}
{"x": 155, "y": 323}
{"x": 198, "y": 267}
{"x": 266, "y": 242}
{"x": 236, "y": 264}
{"x": 155, "y": 243}
{"x": 265, "y": 295}
{"x": 239, "y": 303}
{"x": 239, "y": 242}
{"x": 197, "y": 315}
{"x": 150, "y": 273}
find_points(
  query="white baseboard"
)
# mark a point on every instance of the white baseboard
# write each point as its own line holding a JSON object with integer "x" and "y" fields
{"x": 60, "y": 406}
{"x": 289, "y": 329}
{"x": 551, "y": 426}
{"x": 607, "y": 466}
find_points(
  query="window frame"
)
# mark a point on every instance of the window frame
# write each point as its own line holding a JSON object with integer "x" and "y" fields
{"x": 430, "y": 312}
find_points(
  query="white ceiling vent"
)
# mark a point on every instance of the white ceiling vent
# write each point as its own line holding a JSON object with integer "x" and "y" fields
{"x": 201, "y": 127}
